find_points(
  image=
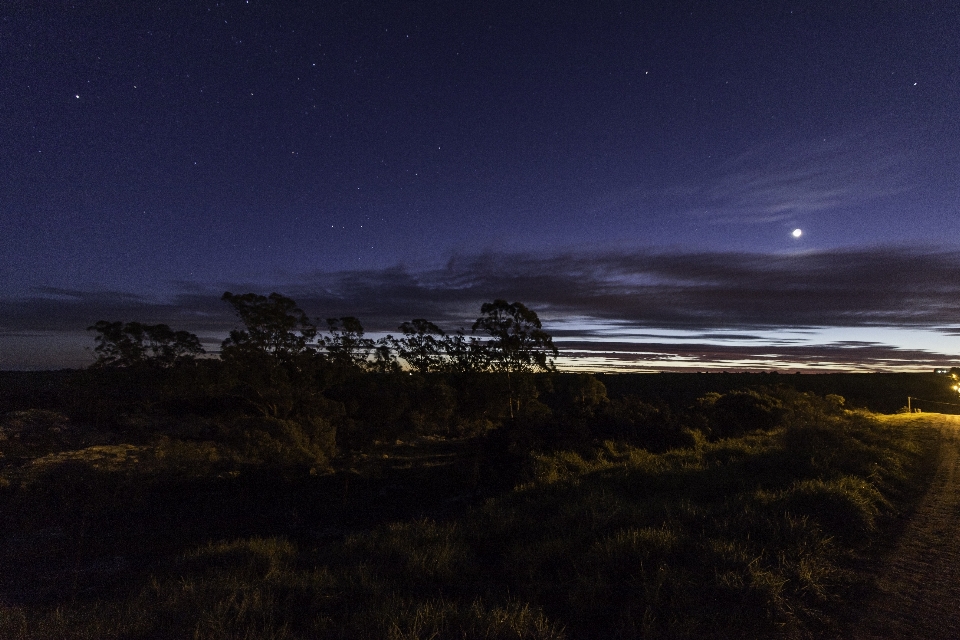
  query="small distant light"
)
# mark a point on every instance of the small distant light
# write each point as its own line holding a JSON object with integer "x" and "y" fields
{"x": 797, "y": 233}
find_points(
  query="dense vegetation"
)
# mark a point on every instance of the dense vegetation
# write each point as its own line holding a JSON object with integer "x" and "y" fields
{"x": 280, "y": 492}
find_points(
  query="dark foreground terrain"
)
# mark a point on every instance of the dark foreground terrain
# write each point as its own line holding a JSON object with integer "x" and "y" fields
{"x": 698, "y": 508}
{"x": 918, "y": 581}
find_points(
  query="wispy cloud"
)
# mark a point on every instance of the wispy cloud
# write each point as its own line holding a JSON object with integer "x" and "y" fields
{"x": 707, "y": 355}
{"x": 775, "y": 181}
{"x": 766, "y": 184}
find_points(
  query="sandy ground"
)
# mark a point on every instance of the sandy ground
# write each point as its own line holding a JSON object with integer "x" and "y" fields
{"x": 920, "y": 581}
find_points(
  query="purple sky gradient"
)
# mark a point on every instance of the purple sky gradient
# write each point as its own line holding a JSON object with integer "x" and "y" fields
{"x": 622, "y": 169}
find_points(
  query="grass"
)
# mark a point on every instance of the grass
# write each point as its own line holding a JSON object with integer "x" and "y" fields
{"x": 761, "y": 535}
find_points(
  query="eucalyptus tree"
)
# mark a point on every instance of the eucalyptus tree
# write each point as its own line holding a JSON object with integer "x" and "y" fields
{"x": 518, "y": 342}
{"x": 272, "y": 360}
{"x": 464, "y": 354}
{"x": 346, "y": 347}
{"x": 421, "y": 345}
{"x": 133, "y": 344}
{"x": 273, "y": 325}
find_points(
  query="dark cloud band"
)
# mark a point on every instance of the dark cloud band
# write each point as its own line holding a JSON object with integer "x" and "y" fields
{"x": 703, "y": 292}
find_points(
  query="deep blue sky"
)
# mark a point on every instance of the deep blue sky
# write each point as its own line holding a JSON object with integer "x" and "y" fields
{"x": 633, "y": 173}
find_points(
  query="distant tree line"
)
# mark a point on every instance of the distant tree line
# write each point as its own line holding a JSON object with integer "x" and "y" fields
{"x": 286, "y": 394}
{"x": 275, "y": 327}
{"x": 282, "y": 389}
{"x": 133, "y": 343}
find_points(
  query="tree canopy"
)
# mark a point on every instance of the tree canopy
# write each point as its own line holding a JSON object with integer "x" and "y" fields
{"x": 422, "y": 345}
{"x": 276, "y": 332}
{"x": 346, "y": 346}
{"x": 131, "y": 344}
{"x": 274, "y": 325}
{"x": 519, "y": 343}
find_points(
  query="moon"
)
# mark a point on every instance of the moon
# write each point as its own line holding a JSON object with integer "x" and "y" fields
{"x": 797, "y": 233}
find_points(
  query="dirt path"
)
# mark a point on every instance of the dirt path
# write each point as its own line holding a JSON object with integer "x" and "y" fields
{"x": 920, "y": 582}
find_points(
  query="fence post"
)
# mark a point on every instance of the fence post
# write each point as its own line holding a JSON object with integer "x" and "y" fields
{"x": 909, "y": 410}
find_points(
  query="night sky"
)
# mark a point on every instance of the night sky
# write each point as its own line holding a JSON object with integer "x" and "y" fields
{"x": 635, "y": 174}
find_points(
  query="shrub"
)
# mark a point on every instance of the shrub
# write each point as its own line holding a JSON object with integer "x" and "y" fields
{"x": 185, "y": 457}
{"x": 275, "y": 442}
{"x": 738, "y": 412}
{"x": 36, "y": 432}
{"x": 632, "y": 420}
{"x": 846, "y": 508}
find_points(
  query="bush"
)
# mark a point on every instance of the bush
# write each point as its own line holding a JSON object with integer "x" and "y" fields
{"x": 846, "y": 508}
{"x": 185, "y": 457}
{"x": 36, "y": 432}
{"x": 280, "y": 443}
{"x": 739, "y": 412}
{"x": 655, "y": 428}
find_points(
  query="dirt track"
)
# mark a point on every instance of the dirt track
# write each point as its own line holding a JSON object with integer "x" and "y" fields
{"x": 920, "y": 581}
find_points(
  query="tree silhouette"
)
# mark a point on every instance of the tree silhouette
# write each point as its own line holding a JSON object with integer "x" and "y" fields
{"x": 271, "y": 363}
{"x": 518, "y": 342}
{"x": 133, "y": 343}
{"x": 384, "y": 359}
{"x": 465, "y": 354}
{"x": 274, "y": 325}
{"x": 346, "y": 346}
{"x": 422, "y": 345}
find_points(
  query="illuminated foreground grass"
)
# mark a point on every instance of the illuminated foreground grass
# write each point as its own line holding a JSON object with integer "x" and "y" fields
{"x": 756, "y": 536}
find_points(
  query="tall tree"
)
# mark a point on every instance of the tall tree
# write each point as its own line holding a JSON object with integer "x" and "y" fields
{"x": 133, "y": 343}
{"x": 274, "y": 325}
{"x": 421, "y": 345}
{"x": 465, "y": 354}
{"x": 346, "y": 345}
{"x": 518, "y": 342}
{"x": 271, "y": 363}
